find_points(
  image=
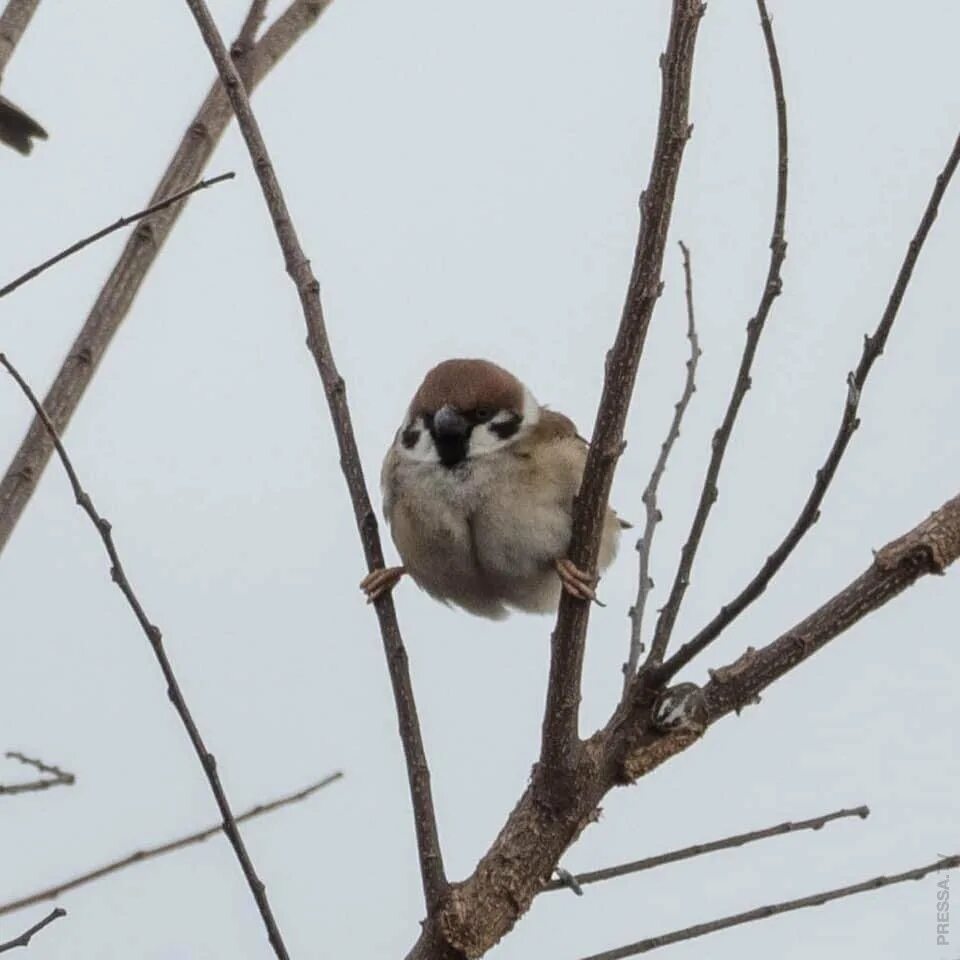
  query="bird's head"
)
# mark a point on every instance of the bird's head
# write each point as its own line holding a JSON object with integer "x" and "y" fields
{"x": 465, "y": 409}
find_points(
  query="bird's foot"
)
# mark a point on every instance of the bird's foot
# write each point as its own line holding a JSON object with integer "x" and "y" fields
{"x": 381, "y": 581}
{"x": 578, "y": 583}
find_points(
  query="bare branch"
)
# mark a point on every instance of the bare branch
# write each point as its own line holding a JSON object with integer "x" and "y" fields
{"x": 761, "y": 913}
{"x": 105, "y": 231}
{"x": 25, "y": 937}
{"x": 649, "y": 498}
{"x": 686, "y": 853}
{"x": 17, "y": 128}
{"x": 300, "y": 271}
{"x": 153, "y": 635}
{"x": 14, "y": 21}
{"x": 560, "y": 745}
{"x": 849, "y": 421}
{"x": 929, "y": 548}
{"x": 57, "y": 777}
{"x": 771, "y": 290}
{"x": 116, "y": 298}
{"x": 148, "y": 853}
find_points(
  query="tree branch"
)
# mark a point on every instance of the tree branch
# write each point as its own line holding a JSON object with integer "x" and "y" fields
{"x": 14, "y": 21}
{"x": 57, "y": 776}
{"x": 105, "y": 231}
{"x": 308, "y": 289}
{"x": 560, "y": 745}
{"x": 698, "y": 849}
{"x": 771, "y": 290}
{"x": 849, "y": 421}
{"x": 116, "y": 298}
{"x": 929, "y": 548}
{"x": 17, "y": 128}
{"x": 761, "y": 913}
{"x": 649, "y": 498}
{"x": 148, "y": 853}
{"x": 153, "y": 635}
{"x": 25, "y": 937}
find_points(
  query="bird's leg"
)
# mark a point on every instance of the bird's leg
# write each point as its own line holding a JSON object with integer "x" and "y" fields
{"x": 381, "y": 581}
{"x": 577, "y": 582}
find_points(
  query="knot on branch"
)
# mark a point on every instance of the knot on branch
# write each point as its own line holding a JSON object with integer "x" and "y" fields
{"x": 931, "y": 547}
{"x": 733, "y": 670}
{"x": 682, "y": 708}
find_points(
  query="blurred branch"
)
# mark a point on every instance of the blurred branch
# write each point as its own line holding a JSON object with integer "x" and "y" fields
{"x": 25, "y": 937}
{"x": 148, "y": 853}
{"x": 849, "y": 421}
{"x": 17, "y": 128}
{"x": 686, "y": 853}
{"x": 105, "y": 231}
{"x": 117, "y": 295}
{"x": 649, "y": 498}
{"x": 771, "y": 290}
{"x": 155, "y": 638}
{"x": 761, "y": 913}
{"x": 14, "y": 20}
{"x": 57, "y": 777}
{"x": 298, "y": 267}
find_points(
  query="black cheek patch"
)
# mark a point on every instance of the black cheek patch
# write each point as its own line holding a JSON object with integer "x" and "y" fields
{"x": 508, "y": 428}
{"x": 409, "y": 438}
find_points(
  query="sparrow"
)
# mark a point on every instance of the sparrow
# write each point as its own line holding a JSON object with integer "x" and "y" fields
{"x": 478, "y": 489}
{"x": 17, "y": 129}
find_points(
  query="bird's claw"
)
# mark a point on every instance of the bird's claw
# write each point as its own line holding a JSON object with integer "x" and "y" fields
{"x": 578, "y": 583}
{"x": 378, "y": 582}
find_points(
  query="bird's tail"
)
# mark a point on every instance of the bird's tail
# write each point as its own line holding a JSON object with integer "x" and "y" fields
{"x": 17, "y": 129}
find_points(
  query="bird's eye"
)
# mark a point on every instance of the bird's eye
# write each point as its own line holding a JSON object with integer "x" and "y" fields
{"x": 483, "y": 414}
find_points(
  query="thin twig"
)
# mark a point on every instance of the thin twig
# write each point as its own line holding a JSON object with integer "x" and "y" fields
{"x": 115, "y": 299}
{"x": 105, "y": 231}
{"x": 154, "y": 636}
{"x": 761, "y": 913}
{"x": 560, "y": 747}
{"x": 771, "y": 290}
{"x": 300, "y": 271}
{"x": 148, "y": 853}
{"x": 57, "y": 776}
{"x": 649, "y": 498}
{"x": 686, "y": 853}
{"x": 25, "y": 937}
{"x": 849, "y": 421}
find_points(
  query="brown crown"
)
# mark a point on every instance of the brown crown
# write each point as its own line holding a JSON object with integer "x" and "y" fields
{"x": 467, "y": 384}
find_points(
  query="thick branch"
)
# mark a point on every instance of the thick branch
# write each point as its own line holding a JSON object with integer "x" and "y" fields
{"x": 649, "y": 498}
{"x": 298, "y": 267}
{"x": 24, "y": 939}
{"x": 14, "y": 20}
{"x": 771, "y": 290}
{"x": 153, "y": 635}
{"x": 141, "y": 250}
{"x": 560, "y": 740}
{"x": 56, "y": 777}
{"x": 148, "y": 853}
{"x": 699, "y": 849}
{"x": 849, "y": 421}
{"x": 524, "y": 855}
{"x": 771, "y": 910}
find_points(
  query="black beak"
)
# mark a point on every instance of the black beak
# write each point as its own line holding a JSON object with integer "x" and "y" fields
{"x": 447, "y": 422}
{"x": 451, "y": 434}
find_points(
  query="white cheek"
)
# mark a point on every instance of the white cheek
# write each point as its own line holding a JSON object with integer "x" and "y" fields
{"x": 484, "y": 440}
{"x": 423, "y": 451}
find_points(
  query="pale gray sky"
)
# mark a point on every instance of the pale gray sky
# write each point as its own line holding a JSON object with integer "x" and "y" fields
{"x": 465, "y": 178}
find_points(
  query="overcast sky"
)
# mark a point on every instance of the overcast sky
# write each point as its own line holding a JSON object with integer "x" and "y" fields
{"x": 465, "y": 179}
